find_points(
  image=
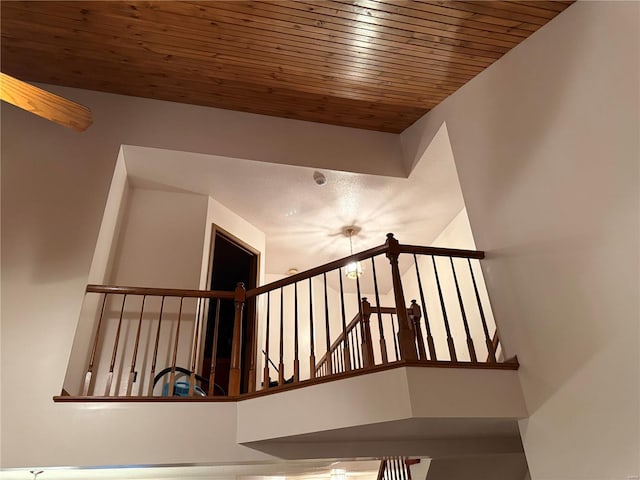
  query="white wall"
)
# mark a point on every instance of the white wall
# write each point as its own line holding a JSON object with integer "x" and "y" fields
{"x": 546, "y": 146}
{"x": 408, "y": 393}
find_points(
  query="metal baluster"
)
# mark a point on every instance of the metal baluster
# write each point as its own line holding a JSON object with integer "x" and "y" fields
{"x": 172, "y": 376}
{"x": 383, "y": 344}
{"x": 134, "y": 357}
{"x": 107, "y": 390}
{"x": 490, "y": 349}
{"x": 346, "y": 351}
{"x": 195, "y": 346}
{"x": 358, "y": 346}
{"x": 326, "y": 319}
{"x": 281, "y": 364}
{"x": 452, "y": 347}
{"x": 430, "y": 343}
{"x": 472, "y": 349}
{"x": 296, "y": 362}
{"x": 312, "y": 355}
{"x": 152, "y": 377}
{"x": 266, "y": 378}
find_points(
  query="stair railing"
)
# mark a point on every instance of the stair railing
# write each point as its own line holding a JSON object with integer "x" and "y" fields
{"x": 140, "y": 331}
{"x": 396, "y": 468}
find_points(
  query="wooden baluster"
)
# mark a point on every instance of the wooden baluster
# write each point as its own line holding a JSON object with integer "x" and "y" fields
{"x": 172, "y": 375}
{"x": 235, "y": 372}
{"x": 394, "y": 468}
{"x": 383, "y": 344}
{"x": 395, "y": 337}
{"x": 472, "y": 349}
{"x": 495, "y": 342}
{"x": 346, "y": 350}
{"x": 107, "y": 390}
{"x": 452, "y": 347}
{"x": 406, "y": 339}
{"x": 358, "y": 339}
{"x": 326, "y": 320}
{"x": 296, "y": 362}
{"x": 195, "y": 346}
{"x": 430, "y": 343}
{"x": 281, "y": 356}
{"x": 490, "y": 349}
{"x": 415, "y": 318}
{"x": 367, "y": 343}
{"x": 92, "y": 358}
{"x": 134, "y": 357}
{"x": 266, "y": 380}
{"x": 154, "y": 360}
{"x": 251, "y": 381}
{"x": 353, "y": 356}
{"x": 335, "y": 362}
{"x": 381, "y": 470}
{"x": 214, "y": 350}
{"x": 312, "y": 354}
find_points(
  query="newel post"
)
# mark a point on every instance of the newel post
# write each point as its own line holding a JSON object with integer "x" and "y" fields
{"x": 235, "y": 372}
{"x": 406, "y": 339}
{"x": 367, "y": 343}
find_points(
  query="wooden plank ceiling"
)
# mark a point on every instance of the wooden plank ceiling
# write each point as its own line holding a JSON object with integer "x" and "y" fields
{"x": 369, "y": 64}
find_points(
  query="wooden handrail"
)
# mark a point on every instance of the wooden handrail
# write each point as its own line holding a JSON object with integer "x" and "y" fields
{"x": 441, "y": 252}
{"x": 350, "y": 326}
{"x": 160, "y": 292}
{"x": 327, "y": 267}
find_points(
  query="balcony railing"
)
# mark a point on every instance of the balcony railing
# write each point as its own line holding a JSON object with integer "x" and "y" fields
{"x": 149, "y": 342}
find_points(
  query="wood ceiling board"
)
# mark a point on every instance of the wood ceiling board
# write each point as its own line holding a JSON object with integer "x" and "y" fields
{"x": 370, "y": 64}
{"x": 296, "y": 106}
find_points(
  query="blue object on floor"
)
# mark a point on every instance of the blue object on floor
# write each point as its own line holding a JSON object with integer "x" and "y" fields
{"x": 181, "y": 389}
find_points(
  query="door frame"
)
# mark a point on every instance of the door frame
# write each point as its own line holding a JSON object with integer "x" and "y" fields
{"x": 250, "y": 334}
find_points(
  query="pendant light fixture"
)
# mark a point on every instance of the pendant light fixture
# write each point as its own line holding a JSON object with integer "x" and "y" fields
{"x": 354, "y": 269}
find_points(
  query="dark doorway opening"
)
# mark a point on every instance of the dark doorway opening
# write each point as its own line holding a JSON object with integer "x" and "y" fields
{"x": 232, "y": 262}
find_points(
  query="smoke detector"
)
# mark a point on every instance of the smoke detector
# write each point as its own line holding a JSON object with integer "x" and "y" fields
{"x": 319, "y": 178}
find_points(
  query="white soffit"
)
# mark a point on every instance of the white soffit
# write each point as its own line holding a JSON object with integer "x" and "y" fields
{"x": 301, "y": 220}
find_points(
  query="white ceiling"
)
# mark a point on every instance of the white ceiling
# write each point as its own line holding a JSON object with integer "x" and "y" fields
{"x": 303, "y": 221}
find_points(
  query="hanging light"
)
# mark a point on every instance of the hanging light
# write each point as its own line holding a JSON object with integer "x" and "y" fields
{"x": 354, "y": 269}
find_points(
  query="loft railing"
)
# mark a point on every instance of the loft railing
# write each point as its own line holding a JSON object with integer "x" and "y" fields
{"x": 396, "y": 468}
{"x": 150, "y": 342}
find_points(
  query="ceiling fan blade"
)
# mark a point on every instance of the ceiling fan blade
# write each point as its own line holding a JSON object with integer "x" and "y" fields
{"x": 44, "y": 104}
